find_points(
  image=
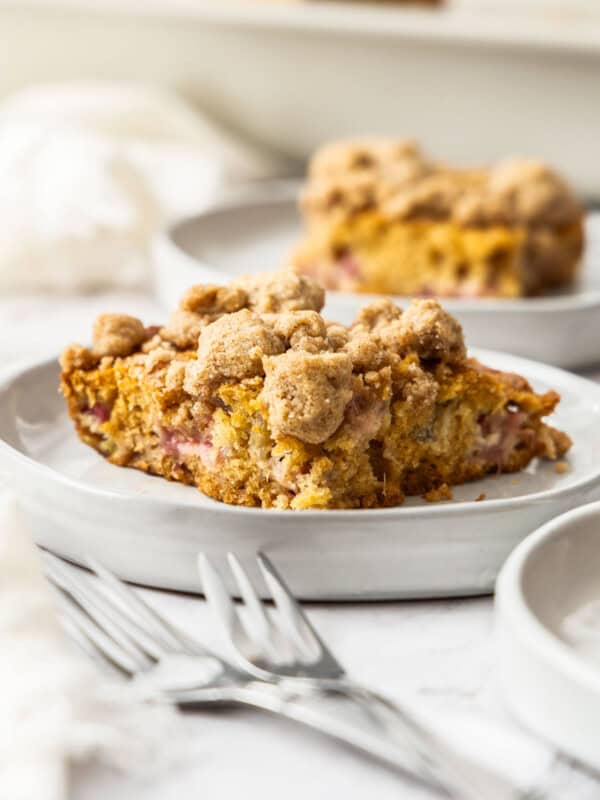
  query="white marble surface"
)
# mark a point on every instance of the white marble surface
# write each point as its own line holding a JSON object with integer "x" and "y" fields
{"x": 441, "y": 652}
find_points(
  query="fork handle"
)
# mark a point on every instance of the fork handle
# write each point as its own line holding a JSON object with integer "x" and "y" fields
{"x": 435, "y": 759}
{"x": 331, "y": 719}
{"x": 374, "y": 725}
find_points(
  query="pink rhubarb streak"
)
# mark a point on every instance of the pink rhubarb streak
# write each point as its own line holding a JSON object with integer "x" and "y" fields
{"x": 100, "y": 411}
{"x": 500, "y": 433}
{"x": 181, "y": 447}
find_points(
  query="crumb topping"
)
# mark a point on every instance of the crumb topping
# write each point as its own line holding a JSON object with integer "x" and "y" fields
{"x": 418, "y": 389}
{"x": 366, "y": 352}
{"x": 231, "y": 348}
{"x": 426, "y": 329}
{"x": 361, "y": 155}
{"x": 77, "y": 357}
{"x": 207, "y": 299}
{"x": 377, "y": 315}
{"x": 307, "y": 394}
{"x": 117, "y": 335}
{"x": 532, "y": 192}
{"x": 153, "y": 342}
{"x": 337, "y": 336}
{"x": 271, "y": 292}
{"x": 395, "y": 178}
{"x": 314, "y": 371}
{"x": 175, "y": 376}
{"x": 158, "y": 357}
{"x": 297, "y": 327}
{"x": 183, "y": 328}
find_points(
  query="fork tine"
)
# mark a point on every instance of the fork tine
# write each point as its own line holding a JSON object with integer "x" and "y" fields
{"x": 223, "y": 605}
{"x": 92, "y": 632}
{"x": 264, "y": 631}
{"x": 169, "y": 637}
{"x": 298, "y": 623}
{"x": 250, "y": 597}
{"x": 101, "y": 610}
{"x": 89, "y": 649}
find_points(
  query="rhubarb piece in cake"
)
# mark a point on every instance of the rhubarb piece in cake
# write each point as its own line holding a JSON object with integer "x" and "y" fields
{"x": 382, "y": 218}
{"x": 250, "y": 395}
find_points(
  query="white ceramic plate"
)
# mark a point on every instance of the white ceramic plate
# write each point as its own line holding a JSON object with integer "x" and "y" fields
{"x": 548, "y": 613}
{"x": 258, "y": 232}
{"x": 149, "y": 530}
{"x": 473, "y": 80}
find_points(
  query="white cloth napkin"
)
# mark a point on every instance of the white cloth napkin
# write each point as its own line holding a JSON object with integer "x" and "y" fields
{"x": 89, "y": 171}
{"x": 56, "y": 706}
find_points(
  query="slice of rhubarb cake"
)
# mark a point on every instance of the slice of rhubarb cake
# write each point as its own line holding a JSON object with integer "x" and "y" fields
{"x": 383, "y": 218}
{"x": 250, "y": 395}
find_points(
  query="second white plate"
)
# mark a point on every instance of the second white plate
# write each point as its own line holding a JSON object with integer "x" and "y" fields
{"x": 548, "y": 621}
{"x": 257, "y": 233}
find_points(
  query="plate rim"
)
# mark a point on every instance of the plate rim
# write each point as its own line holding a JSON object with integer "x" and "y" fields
{"x": 279, "y": 192}
{"x": 514, "y": 611}
{"x": 13, "y": 373}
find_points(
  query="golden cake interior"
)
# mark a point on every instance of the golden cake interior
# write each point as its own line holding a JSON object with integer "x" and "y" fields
{"x": 250, "y": 395}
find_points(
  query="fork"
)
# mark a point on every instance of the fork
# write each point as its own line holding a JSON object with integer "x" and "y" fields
{"x": 283, "y": 646}
{"x": 114, "y": 625}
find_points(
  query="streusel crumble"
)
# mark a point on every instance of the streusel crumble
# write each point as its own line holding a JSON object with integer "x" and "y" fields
{"x": 251, "y": 395}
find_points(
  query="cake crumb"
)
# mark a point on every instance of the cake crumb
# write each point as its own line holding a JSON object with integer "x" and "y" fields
{"x": 209, "y": 299}
{"x": 306, "y": 394}
{"x": 481, "y": 497}
{"x": 366, "y": 352}
{"x": 183, "y": 329}
{"x": 272, "y": 292}
{"x": 427, "y": 329}
{"x": 159, "y": 357}
{"x": 561, "y": 467}
{"x": 77, "y": 357}
{"x": 296, "y": 327}
{"x": 232, "y": 348}
{"x": 443, "y": 492}
{"x": 337, "y": 336}
{"x": 117, "y": 335}
{"x": 377, "y": 315}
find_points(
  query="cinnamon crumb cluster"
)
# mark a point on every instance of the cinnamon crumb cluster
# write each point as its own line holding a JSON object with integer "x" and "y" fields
{"x": 269, "y": 326}
{"x": 394, "y": 177}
